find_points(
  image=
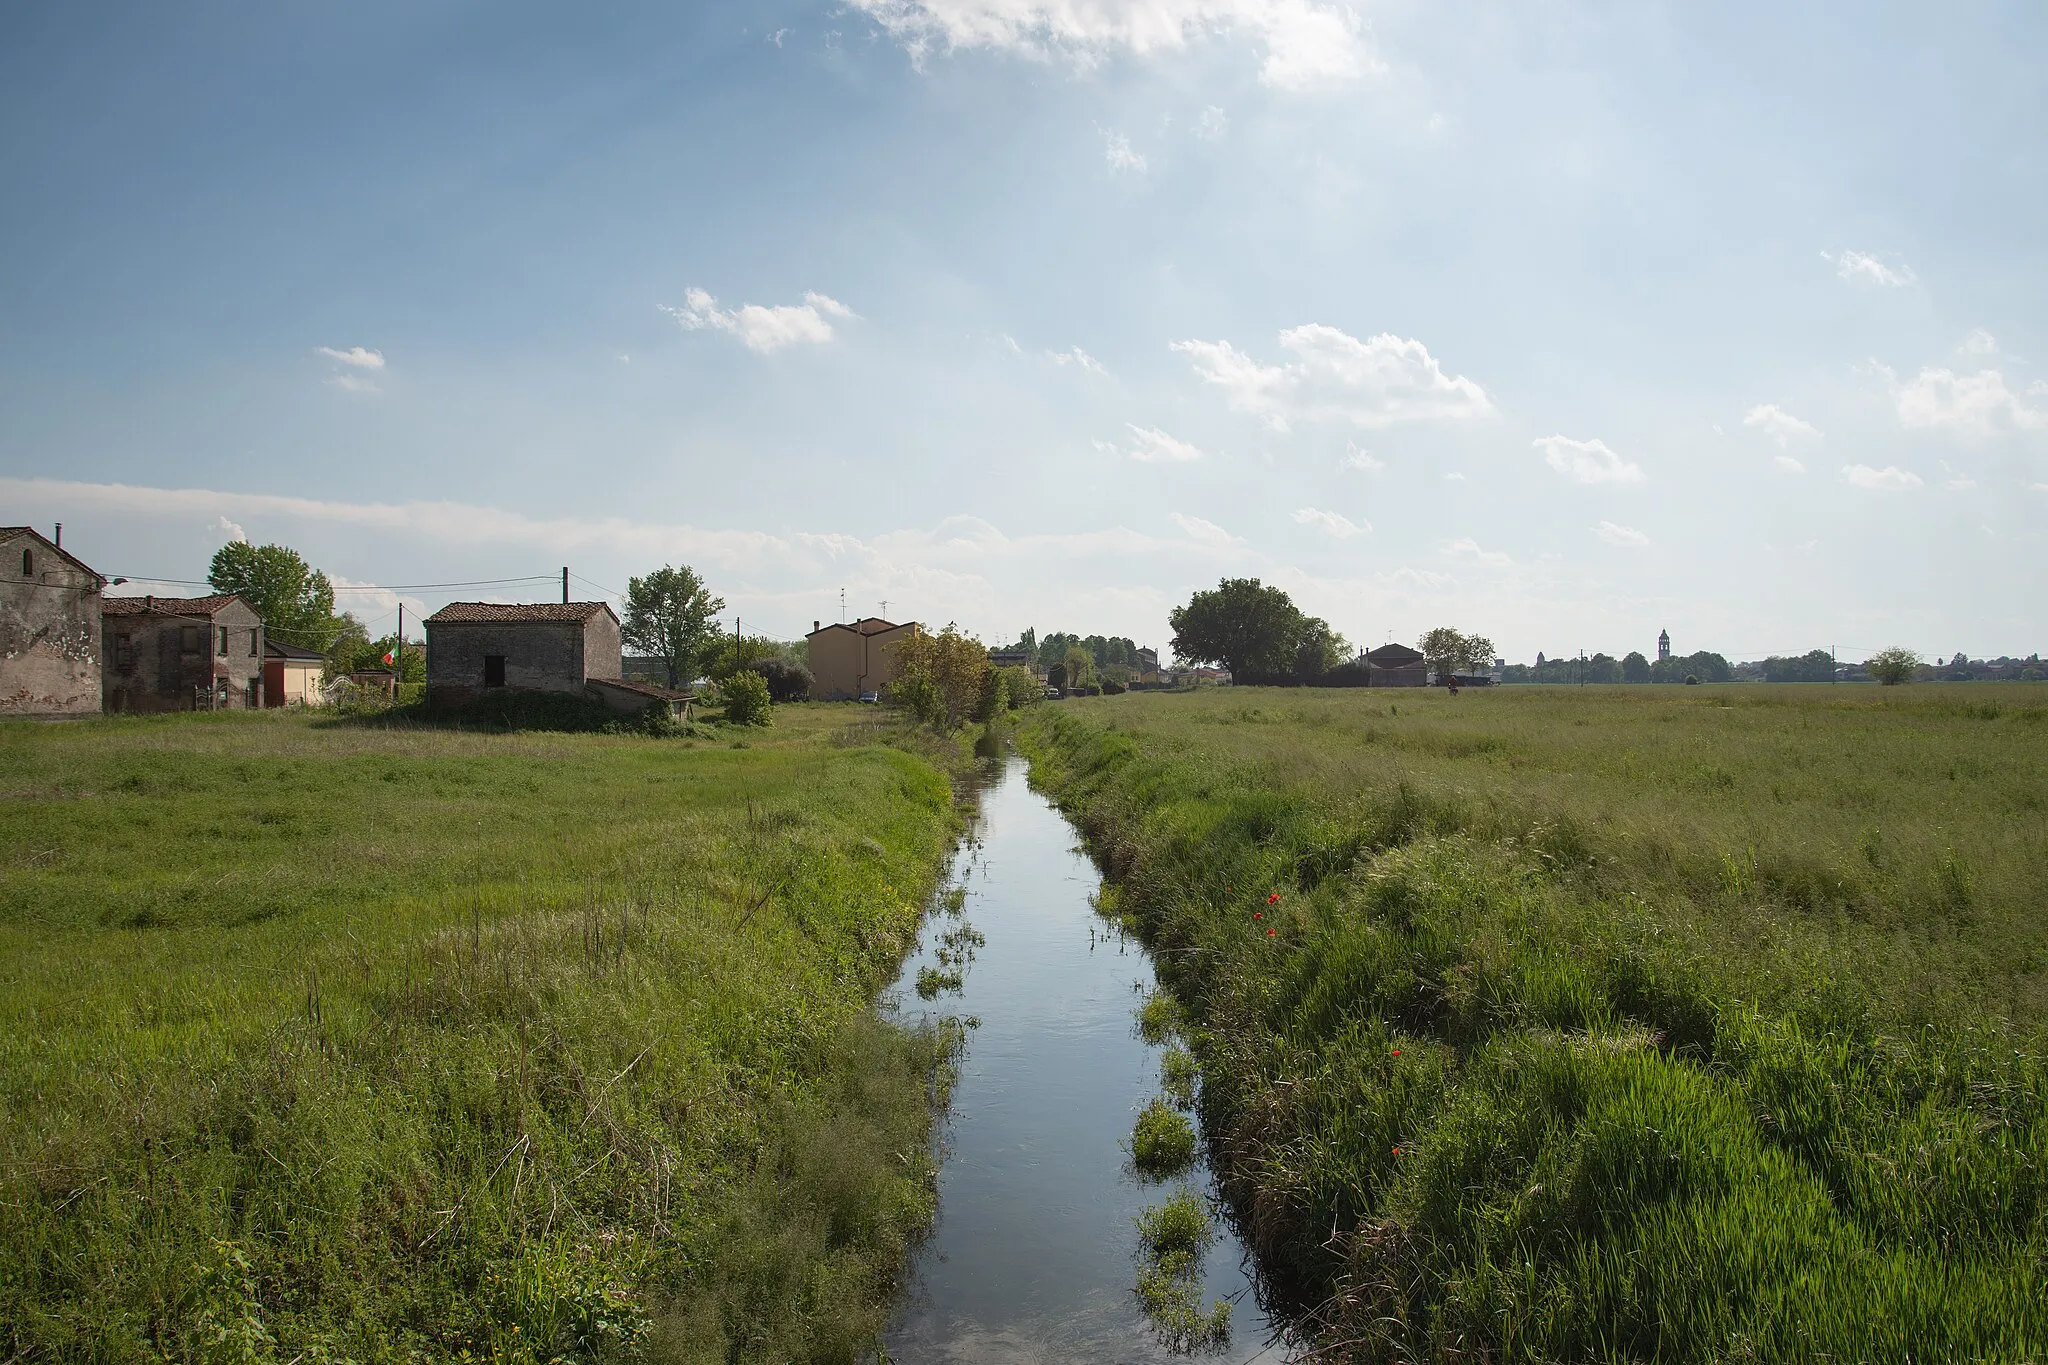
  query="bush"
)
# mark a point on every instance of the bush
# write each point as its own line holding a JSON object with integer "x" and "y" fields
{"x": 1112, "y": 688}
{"x": 1162, "y": 1141}
{"x": 746, "y": 699}
{"x": 1173, "y": 1238}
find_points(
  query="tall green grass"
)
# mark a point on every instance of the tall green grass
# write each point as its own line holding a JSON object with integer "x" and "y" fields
{"x": 323, "y": 1042}
{"x": 1590, "y": 1026}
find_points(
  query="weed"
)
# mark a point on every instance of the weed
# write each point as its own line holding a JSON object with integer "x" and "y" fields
{"x": 1173, "y": 1237}
{"x": 1162, "y": 1142}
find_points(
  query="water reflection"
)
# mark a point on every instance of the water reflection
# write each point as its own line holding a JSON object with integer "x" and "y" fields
{"x": 1033, "y": 1258}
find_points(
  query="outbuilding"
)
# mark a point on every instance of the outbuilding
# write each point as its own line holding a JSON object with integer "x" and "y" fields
{"x": 1396, "y": 666}
{"x": 291, "y": 674}
{"x": 50, "y": 653}
{"x": 474, "y": 647}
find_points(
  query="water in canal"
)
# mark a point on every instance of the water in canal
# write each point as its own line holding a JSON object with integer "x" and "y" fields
{"x": 1034, "y": 1255}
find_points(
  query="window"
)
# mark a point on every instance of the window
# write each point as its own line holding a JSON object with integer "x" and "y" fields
{"x": 28, "y": 564}
{"x": 255, "y": 693}
{"x": 188, "y": 639}
{"x": 494, "y": 670}
{"x": 223, "y": 651}
{"x": 255, "y": 643}
{"x": 124, "y": 654}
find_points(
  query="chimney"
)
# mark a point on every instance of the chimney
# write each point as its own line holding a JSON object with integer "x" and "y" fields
{"x": 60, "y": 535}
{"x": 816, "y": 626}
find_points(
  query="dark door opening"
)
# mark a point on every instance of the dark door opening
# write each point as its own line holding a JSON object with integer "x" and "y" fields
{"x": 494, "y": 670}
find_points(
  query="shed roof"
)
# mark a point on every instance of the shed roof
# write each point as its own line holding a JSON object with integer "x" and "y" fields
{"x": 1394, "y": 656}
{"x": 517, "y": 613}
{"x": 278, "y": 649}
{"x": 167, "y": 606}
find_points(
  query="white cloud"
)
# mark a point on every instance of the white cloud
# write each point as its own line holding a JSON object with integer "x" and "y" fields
{"x": 1628, "y": 537}
{"x": 1149, "y": 445}
{"x": 1212, "y": 124}
{"x": 1207, "y": 532}
{"x": 2037, "y": 488}
{"x": 1356, "y": 457}
{"x": 357, "y": 356}
{"x": 1587, "y": 461}
{"x": 1116, "y": 150}
{"x": 1454, "y": 477}
{"x": 1780, "y": 425}
{"x": 1306, "y": 44}
{"x": 1331, "y": 523}
{"x": 353, "y": 383}
{"x": 221, "y": 526}
{"x": 1074, "y": 356}
{"x": 1790, "y": 465}
{"x": 1957, "y": 480}
{"x": 778, "y": 35}
{"x": 1863, "y": 267}
{"x": 1890, "y": 479}
{"x": 760, "y": 328}
{"x": 1979, "y": 342}
{"x": 1978, "y": 403}
{"x": 1334, "y": 376}
{"x": 1467, "y": 548}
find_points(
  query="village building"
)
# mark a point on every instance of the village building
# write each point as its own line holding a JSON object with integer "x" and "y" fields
{"x": 181, "y": 654}
{"x": 50, "y": 652}
{"x": 1396, "y": 666}
{"x": 476, "y": 647}
{"x": 291, "y": 674}
{"x": 848, "y": 662}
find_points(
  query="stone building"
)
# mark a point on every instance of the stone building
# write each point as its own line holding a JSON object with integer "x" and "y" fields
{"x": 49, "y": 628}
{"x": 181, "y": 654}
{"x": 537, "y": 647}
{"x": 1396, "y": 666}
{"x": 849, "y": 661}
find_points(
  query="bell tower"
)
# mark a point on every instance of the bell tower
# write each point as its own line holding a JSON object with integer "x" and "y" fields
{"x": 1663, "y": 645}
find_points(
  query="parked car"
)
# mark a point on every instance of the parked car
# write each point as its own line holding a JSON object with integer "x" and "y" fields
{"x": 871, "y": 696}
{"x": 1053, "y": 694}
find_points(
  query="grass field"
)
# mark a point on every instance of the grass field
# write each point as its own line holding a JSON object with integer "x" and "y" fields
{"x": 323, "y": 1041}
{"x": 1616, "y": 1023}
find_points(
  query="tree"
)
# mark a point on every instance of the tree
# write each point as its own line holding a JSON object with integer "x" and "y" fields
{"x": 1317, "y": 648}
{"x": 939, "y": 676}
{"x": 294, "y": 599}
{"x": 1447, "y": 650}
{"x": 1635, "y": 668}
{"x": 1241, "y": 624}
{"x": 671, "y": 615}
{"x": 746, "y": 699}
{"x": 1894, "y": 665}
{"x": 1078, "y": 665}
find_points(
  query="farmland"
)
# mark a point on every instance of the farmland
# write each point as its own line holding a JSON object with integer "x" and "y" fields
{"x": 325, "y": 1041}
{"x": 1614, "y": 1023}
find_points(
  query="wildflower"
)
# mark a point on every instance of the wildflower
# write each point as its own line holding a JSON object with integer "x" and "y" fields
{"x": 1273, "y": 898}
{"x": 1269, "y": 933}
{"x": 1397, "y": 1052}
{"x": 1258, "y": 914}
{"x": 1397, "y": 1151}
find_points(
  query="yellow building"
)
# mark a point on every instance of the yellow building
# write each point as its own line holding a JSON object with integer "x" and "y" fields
{"x": 849, "y": 661}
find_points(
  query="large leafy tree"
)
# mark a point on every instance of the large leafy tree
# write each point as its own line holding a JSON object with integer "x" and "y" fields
{"x": 672, "y": 616}
{"x": 1447, "y": 650}
{"x": 1894, "y": 665}
{"x": 1317, "y": 648}
{"x": 294, "y": 599}
{"x": 941, "y": 678}
{"x": 1241, "y": 624}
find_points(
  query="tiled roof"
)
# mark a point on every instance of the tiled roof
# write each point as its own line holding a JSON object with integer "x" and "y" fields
{"x": 459, "y": 612}
{"x": 641, "y": 688}
{"x": 1397, "y": 656}
{"x": 9, "y": 532}
{"x": 166, "y": 606}
{"x": 278, "y": 649}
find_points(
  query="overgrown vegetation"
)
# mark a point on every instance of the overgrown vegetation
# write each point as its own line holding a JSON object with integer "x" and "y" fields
{"x": 1173, "y": 1237}
{"x": 1162, "y": 1142}
{"x": 1683, "y": 1026}
{"x": 323, "y": 1041}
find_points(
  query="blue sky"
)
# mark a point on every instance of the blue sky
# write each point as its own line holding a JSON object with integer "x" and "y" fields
{"x": 1560, "y": 323}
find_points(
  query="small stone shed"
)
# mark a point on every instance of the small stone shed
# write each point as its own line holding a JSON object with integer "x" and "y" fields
{"x": 473, "y": 647}
{"x": 181, "y": 654}
{"x": 49, "y": 628}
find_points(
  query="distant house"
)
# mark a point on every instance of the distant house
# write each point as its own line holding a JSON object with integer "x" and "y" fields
{"x": 291, "y": 674}
{"x": 1146, "y": 669}
{"x": 475, "y": 647}
{"x": 1011, "y": 658}
{"x": 849, "y": 661}
{"x": 1396, "y": 666}
{"x": 181, "y": 654}
{"x": 50, "y": 650}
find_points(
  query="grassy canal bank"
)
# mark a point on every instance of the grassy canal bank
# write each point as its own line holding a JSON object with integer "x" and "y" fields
{"x": 326, "y": 1042}
{"x": 1617, "y": 1024}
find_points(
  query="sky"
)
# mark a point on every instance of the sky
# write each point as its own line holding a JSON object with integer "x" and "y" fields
{"x": 1558, "y": 323}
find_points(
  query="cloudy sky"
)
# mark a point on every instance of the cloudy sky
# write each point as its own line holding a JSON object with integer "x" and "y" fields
{"x": 1558, "y": 322}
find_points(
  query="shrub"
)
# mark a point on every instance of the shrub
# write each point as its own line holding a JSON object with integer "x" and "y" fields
{"x": 1893, "y": 666}
{"x": 1173, "y": 1238}
{"x": 746, "y": 699}
{"x": 1112, "y": 688}
{"x": 786, "y": 681}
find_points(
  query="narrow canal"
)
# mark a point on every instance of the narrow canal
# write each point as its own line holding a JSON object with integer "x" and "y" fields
{"x": 1035, "y": 1256}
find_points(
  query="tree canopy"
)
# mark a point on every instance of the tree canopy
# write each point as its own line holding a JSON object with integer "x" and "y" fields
{"x": 672, "y": 616}
{"x": 1241, "y": 624}
{"x": 1894, "y": 665}
{"x": 1448, "y": 650}
{"x": 294, "y": 599}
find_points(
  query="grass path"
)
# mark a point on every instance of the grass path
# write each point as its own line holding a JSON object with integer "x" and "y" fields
{"x": 331, "y": 1042}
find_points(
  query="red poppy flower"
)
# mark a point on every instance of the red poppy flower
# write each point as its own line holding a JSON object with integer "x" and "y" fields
{"x": 1397, "y": 1052}
{"x": 1269, "y": 933}
{"x": 1273, "y": 898}
{"x": 1258, "y": 914}
{"x": 1397, "y": 1151}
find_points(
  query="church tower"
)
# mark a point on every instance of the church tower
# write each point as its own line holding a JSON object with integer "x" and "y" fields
{"x": 1663, "y": 645}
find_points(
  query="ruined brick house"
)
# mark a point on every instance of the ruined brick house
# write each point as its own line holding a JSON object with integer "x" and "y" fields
{"x": 181, "y": 654}
{"x": 49, "y": 628}
{"x": 473, "y": 647}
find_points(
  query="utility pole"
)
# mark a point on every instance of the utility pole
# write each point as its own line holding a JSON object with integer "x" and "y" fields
{"x": 398, "y": 655}
{"x": 885, "y": 608}
{"x": 842, "y": 606}
{"x": 565, "y": 585}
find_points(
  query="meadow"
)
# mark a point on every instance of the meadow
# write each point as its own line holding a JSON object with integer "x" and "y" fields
{"x": 327, "y": 1041}
{"x": 1609, "y": 1023}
